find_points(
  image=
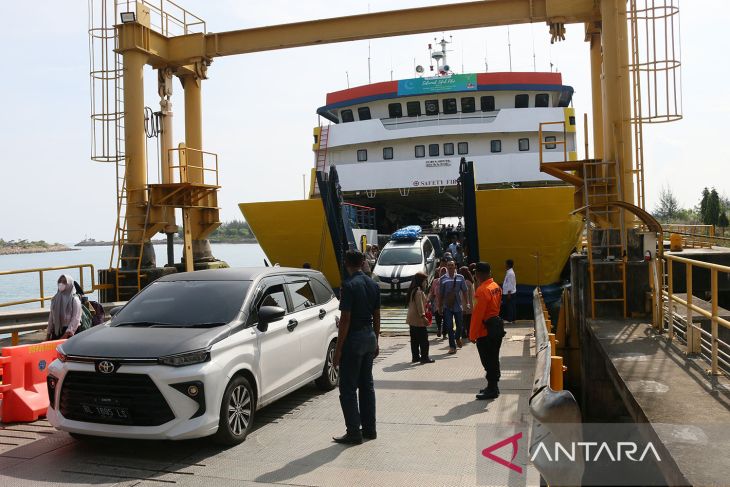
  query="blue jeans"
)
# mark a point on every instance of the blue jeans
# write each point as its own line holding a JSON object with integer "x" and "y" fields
{"x": 449, "y": 318}
{"x": 356, "y": 372}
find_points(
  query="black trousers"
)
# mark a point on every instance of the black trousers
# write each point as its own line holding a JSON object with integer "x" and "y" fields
{"x": 419, "y": 342}
{"x": 488, "y": 348}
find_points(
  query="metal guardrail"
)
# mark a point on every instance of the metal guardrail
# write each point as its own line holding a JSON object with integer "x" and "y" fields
{"x": 698, "y": 340}
{"x": 40, "y": 270}
{"x": 551, "y": 408}
{"x": 19, "y": 321}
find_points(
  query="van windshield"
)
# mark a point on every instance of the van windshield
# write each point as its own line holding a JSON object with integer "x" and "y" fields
{"x": 402, "y": 256}
{"x": 184, "y": 304}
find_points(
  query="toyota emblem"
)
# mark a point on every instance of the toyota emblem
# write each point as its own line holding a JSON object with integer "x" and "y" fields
{"x": 105, "y": 367}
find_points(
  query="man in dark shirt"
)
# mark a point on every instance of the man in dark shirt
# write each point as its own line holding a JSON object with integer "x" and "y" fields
{"x": 357, "y": 347}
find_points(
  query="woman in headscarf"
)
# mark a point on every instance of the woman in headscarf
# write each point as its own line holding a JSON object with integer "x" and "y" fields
{"x": 65, "y": 316}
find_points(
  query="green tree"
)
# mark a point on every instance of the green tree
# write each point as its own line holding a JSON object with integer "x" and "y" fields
{"x": 667, "y": 208}
{"x": 712, "y": 209}
{"x": 703, "y": 204}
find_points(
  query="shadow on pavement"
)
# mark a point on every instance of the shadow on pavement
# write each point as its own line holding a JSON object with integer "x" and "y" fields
{"x": 302, "y": 465}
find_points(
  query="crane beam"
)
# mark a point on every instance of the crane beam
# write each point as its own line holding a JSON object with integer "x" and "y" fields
{"x": 182, "y": 51}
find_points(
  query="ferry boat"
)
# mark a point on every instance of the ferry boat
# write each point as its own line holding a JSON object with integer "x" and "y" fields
{"x": 397, "y": 147}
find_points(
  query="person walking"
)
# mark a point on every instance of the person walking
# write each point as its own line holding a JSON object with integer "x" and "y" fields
{"x": 487, "y": 329}
{"x": 452, "y": 290}
{"x": 468, "y": 302}
{"x": 509, "y": 292}
{"x": 357, "y": 347}
{"x": 434, "y": 297}
{"x": 417, "y": 321}
{"x": 64, "y": 318}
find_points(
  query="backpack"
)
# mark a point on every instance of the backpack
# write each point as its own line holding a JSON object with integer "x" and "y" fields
{"x": 86, "y": 319}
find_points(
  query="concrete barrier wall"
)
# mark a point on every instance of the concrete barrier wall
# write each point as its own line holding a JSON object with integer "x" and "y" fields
{"x": 556, "y": 414}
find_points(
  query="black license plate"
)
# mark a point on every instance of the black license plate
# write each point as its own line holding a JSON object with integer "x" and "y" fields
{"x": 110, "y": 413}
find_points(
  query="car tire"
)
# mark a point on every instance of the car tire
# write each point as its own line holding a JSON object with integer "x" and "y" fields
{"x": 330, "y": 375}
{"x": 237, "y": 412}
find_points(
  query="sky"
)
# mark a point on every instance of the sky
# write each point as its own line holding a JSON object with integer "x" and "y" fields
{"x": 259, "y": 109}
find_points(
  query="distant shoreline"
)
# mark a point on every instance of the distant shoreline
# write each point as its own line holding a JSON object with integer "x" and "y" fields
{"x": 35, "y": 250}
{"x": 98, "y": 243}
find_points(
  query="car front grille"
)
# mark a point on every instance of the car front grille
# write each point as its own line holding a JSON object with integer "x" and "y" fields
{"x": 135, "y": 398}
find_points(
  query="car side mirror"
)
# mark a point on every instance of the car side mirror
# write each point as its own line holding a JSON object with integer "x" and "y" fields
{"x": 429, "y": 260}
{"x": 115, "y": 310}
{"x": 269, "y": 314}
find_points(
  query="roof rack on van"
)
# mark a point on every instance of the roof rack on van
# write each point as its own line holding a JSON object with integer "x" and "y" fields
{"x": 407, "y": 234}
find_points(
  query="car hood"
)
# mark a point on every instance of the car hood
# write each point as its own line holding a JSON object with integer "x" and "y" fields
{"x": 106, "y": 341}
{"x": 387, "y": 272}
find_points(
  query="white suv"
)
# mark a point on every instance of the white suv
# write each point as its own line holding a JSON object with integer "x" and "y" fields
{"x": 398, "y": 263}
{"x": 196, "y": 354}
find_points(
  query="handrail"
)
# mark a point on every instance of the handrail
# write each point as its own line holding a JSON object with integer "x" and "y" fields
{"x": 40, "y": 270}
{"x": 184, "y": 165}
{"x": 555, "y": 143}
{"x": 695, "y": 335}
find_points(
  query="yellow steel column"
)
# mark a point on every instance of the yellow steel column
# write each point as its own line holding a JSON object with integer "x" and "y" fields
{"x": 616, "y": 95}
{"x": 134, "y": 144}
{"x": 596, "y": 61}
{"x": 194, "y": 140}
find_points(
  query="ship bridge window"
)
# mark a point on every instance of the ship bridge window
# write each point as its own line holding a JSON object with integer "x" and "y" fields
{"x": 364, "y": 113}
{"x": 420, "y": 151}
{"x": 362, "y": 155}
{"x": 433, "y": 150}
{"x": 413, "y": 108}
{"x": 450, "y": 106}
{"x": 387, "y": 153}
{"x": 432, "y": 107}
{"x": 468, "y": 105}
{"x": 523, "y": 144}
{"x": 449, "y": 149}
{"x": 496, "y": 146}
{"x": 522, "y": 101}
{"x": 395, "y": 110}
{"x": 463, "y": 148}
{"x": 347, "y": 116}
{"x": 487, "y": 103}
{"x": 550, "y": 138}
{"x": 542, "y": 100}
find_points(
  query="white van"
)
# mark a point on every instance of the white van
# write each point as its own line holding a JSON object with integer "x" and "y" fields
{"x": 398, "y": 263}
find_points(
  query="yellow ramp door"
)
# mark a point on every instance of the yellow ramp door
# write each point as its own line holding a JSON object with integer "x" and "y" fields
{"x": 521, "y": 223}
{"x": 292, "y": 233}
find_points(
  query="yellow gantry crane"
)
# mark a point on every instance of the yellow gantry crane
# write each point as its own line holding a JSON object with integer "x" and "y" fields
{"x": 142, "y": 35}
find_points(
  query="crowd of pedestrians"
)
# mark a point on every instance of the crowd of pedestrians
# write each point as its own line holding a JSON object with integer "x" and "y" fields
{"x": 465, "y": 303}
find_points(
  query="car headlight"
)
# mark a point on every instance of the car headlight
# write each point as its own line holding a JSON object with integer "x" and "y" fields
{"x": 187, "y": 358}
{"x": 60, "y": 355}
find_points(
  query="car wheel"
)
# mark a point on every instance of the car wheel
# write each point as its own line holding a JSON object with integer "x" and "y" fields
{"x": 330, "y": 375}
{"x": 237, "y": 412}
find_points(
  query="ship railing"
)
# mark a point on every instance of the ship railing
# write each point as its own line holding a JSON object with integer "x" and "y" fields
{"x": 40, "y": 272}
{"x": 438, "y": 119}
{"x": 700, "y": 323}
{"x": 200, "y": 164}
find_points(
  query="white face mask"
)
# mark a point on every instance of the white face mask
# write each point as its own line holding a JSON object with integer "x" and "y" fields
{"x": 61, "y": 287}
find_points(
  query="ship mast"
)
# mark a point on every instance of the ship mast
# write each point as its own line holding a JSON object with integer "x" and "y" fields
{"x": 442, "y": 66}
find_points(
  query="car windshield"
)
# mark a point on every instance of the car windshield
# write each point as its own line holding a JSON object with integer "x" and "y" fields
{"x": 201, "y": 304}
{"x": 400, "y": 256}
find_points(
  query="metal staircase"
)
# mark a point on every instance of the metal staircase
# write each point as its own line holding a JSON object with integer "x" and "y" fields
{"x": 324, "y": 134}
{"x": 597, "y": 186}
{"x": 605, "y": 236}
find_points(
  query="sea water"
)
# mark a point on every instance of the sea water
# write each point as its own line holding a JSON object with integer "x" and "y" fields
{"x": 26, "y": 286}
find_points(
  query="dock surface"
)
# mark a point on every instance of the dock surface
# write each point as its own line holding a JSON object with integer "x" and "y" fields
{"x": 428, "y": 421}
{"x": 659, "y": 383}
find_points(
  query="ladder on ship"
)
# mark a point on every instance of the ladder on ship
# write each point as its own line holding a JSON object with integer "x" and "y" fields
{"x": 606, "y": 238}
{"x": 320, "y": 145}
